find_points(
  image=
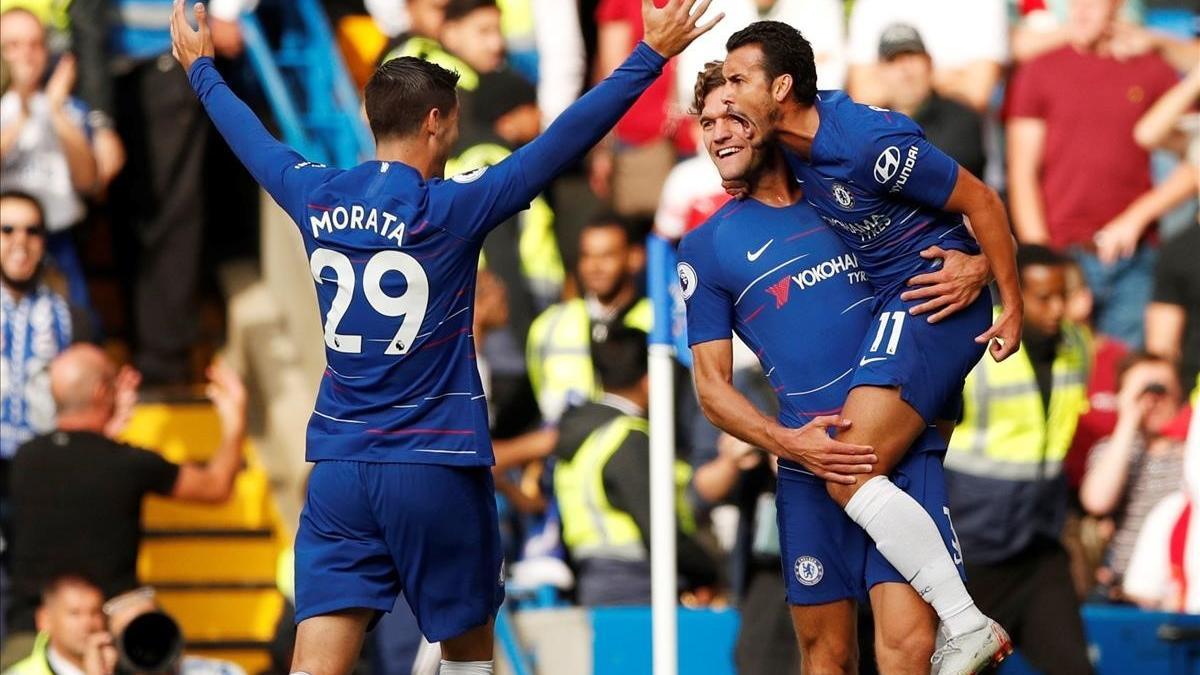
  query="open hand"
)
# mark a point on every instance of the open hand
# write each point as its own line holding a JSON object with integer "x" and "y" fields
{"x": 950, "y": 288}
{"x": 829, "y": 459}
{"x": 1119, "y": 237}
{"x": 228, "y": 395}
{"x": 187, "y": 45}
{"x": 671, "y": 29}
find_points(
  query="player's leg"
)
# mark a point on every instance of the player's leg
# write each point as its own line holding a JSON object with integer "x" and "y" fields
{"x": 905, "y": 629}
{"x": 330, "y": 644}
{"x": 468, "y": 653}
{"x": 826, "y": 636}
{"x": 824, "y": 556}
{"x": 443, "y": 531}
{"x": 344, "y": 571}
{"x": 906, "y": 376}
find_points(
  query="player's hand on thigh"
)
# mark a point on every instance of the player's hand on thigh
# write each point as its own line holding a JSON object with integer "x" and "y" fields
{"x": 827, "y": 458}
{"x": 950, "y": 288}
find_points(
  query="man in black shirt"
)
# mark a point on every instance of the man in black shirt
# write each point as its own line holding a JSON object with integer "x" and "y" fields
{"x": 908, "y": 73}
{"x": 1173, "y": 315}
{"x": 76, "y": 495}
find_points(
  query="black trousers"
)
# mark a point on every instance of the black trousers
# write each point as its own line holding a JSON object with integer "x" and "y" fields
{"x": 1032, "y": 596}
{"x": 766, "y": 643}
{"x": 159, "y": 212}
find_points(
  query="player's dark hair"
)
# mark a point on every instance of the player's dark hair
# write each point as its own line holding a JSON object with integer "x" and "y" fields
{"x": 25, "y": 196}
{"x": 403, "y": 91}
{"x": 607, "y": 219}
{"x": 620, "y": 359}
{"x": 1036, "y": 255}
{"x": 457, "y": 9}
{"x": 785, "y": 52}
{"x": 707, "y": 80}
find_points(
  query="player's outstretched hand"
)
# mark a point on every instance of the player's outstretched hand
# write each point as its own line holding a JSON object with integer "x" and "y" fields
{"x": 672, "y": 28}
{"x": 187, "y": 45}
{"x": 950, "y": 288}
{"x": 1004, "y": 337}
{"x": 828, "y": 458}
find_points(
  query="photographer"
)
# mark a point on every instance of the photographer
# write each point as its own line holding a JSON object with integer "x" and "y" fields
{"x": 1140, "y": 463}
{"x": 142, "y": 638}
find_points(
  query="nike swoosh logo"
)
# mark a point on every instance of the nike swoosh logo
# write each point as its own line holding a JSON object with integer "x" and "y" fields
{"x": 866, "y": 361}
{"x": 758, "y": 254}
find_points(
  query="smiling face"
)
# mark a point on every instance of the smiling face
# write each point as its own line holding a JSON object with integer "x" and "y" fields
{"x": 22, "y": 241}
{"x": 729, "y": 140}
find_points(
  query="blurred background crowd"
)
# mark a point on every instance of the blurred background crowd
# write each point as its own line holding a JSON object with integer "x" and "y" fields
{"x": 134, "y": 249}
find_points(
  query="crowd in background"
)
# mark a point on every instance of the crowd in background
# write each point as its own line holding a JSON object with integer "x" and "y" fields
{"x": 117, "y": 203}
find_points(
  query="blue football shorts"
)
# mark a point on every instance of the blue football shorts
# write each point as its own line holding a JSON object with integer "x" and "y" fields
{"x": 370, "y": 531}
{"x": 928, "y": 362}
{"x": 826, "y": 556}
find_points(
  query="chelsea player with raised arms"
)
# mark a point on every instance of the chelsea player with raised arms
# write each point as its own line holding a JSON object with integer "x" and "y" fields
{"x": 807, "y": 276}
{"x": 875, "y": 180}
{"x": 401, "y": 496}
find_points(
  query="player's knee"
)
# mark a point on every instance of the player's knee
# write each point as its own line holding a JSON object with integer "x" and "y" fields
{"x": 828, "y": 657}
{"x": 904, "y": 651}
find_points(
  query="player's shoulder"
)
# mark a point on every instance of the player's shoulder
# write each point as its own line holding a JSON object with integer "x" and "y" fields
{"x": 859, "y": 126}
{"x": 702, "y": 239}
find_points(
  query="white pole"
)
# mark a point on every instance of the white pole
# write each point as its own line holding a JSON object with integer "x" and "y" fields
{"x": 663, "y": 582}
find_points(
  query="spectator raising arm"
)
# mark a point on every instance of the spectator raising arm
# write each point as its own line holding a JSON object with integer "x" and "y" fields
{"x": 1026, "y": 142}
{"x": 81, "y": 162}
{"x": 213, "y": 482}
{"x": 1157, "y": 126}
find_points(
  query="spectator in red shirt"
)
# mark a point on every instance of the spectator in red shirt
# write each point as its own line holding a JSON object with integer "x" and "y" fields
{"x": 1073, "y": 163}
{"x": 632, "y": 165}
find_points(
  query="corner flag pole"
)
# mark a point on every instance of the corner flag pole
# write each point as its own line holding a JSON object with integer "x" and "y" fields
{"x": 661, "y": 276}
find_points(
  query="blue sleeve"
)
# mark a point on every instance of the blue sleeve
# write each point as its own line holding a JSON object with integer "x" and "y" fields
{"x": 279, "y": 169}
{"x": 898, "y": 160}
{"x": 710, "y": 314}
{"x": 473, "y": 203}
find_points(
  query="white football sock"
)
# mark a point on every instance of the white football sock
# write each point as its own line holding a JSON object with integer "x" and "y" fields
{"x": 906, "y": 535}
{"x": 466, "y": 667}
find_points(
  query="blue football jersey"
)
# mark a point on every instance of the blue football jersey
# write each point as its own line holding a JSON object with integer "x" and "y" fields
{"x": 394, "y": 260}
{"x": 790, "y": 289}
{"x": 881, "y": 185}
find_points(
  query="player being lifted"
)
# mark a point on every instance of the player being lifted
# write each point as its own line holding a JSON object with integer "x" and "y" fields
{"x": 889, "y": 194}
{"x": 797, "y": 273}
{"x": 401, "y": 497}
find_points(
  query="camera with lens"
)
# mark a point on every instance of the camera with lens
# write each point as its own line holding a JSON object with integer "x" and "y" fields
{"x": 151, "y": 643}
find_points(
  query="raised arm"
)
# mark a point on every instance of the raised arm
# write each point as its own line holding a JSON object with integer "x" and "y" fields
{"x": 667, "y": 32}
{"x": 264, "y": 157}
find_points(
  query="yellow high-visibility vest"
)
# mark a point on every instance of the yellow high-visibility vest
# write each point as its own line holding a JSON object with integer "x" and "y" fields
{"x": 592, "y": 528}
{"x": 559, "y": 357}
{"x": 1006, "y": 433}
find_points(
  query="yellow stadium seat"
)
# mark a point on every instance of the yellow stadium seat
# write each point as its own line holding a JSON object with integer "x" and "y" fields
{"x": 213, "y": 566}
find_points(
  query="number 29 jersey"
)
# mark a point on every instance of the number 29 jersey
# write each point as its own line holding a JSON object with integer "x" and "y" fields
{"x": 394, "y": 263}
